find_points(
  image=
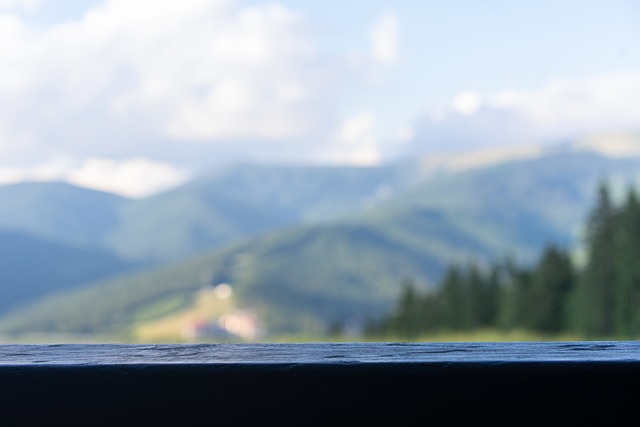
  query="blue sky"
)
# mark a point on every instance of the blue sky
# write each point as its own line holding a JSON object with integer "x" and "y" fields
{"x": 137, "y": 96}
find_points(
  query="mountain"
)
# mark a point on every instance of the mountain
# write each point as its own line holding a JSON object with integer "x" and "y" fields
{"x": 211, "y": 211}
{"x": 216, "y": 209}
{"x": 349, "y": 269}
{"x": 33, "y": 268}
{"x": 246, "y": 200}
{"x": 334, "y": 271}
{"x": 522, "y": 204}
{"x": 59, "y": 211}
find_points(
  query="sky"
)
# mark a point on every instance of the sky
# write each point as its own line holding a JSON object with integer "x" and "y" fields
{"x": 138, "y": 96}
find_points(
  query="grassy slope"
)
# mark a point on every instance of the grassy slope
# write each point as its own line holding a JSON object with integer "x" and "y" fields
{"x": 207, "y": 306}
{"x": 113, "y": 305}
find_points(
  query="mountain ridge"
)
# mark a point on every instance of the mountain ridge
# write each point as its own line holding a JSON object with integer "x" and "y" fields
{"x": 332, "y": 244}
{"x": 305, "y": 276}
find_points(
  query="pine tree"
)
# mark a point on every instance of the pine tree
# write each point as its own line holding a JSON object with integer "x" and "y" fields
{"x": 551, "y": 284}
{"x": 454, "y": 300}
{"x": 627, "y": 290}
{"x": 595, "y": 299}
{"x": 474, "y": 296}
{"x": 406, "y": 320}
{"x": 483, "y": 294}
{"x": 431, "y": 313}
{"x": 514, "y": 303}
{"x": 495, "y": 286}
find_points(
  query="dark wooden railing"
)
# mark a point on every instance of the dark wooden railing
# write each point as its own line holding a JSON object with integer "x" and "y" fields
{"x": 321, "y": 384}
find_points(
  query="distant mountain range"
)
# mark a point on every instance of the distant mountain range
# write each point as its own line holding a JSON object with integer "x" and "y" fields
{"x": 33, "y": 268}
{"x": 213, "y": 210}
{"x": 244, "y": 201}
{"x": 307, "y": 246}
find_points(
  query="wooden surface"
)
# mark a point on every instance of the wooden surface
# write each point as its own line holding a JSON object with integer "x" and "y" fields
{"x": 321, "y": 353}
{"x": 321, "y": 384}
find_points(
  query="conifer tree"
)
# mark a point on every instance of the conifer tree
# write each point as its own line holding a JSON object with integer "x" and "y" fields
{"x": 406, "y": 320}
{"x": 627, "y": 289}
{"x": 496, "y": 282}
{"x": 483, "y": 294}
{"x": 454, "y": 300}
{"x": 474, "y": 296}
{"x": 595, "y": 299}
{"x": 514, "y": 303}
{"x": 551, "y": 284}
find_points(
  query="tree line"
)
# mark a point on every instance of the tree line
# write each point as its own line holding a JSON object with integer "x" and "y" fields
{"x": 598, "y": 299}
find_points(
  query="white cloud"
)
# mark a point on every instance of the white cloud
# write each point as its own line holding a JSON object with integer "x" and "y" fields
{"x": 129, "y": 74}
{"x": 612, "y": 144}
{"x": 202, "y": 81}
{"x": 466, "y": 103}
{"x": 384, "y": 39}
{"x": 610, "y": 101}
{"x": 356, "y": 142}
{"x": 558, "y": 110}
{"x": 191, "y": 82}
{"x": 357, "y": 128}
{"x": 137, "y": 177}
{"x": 52, "y": 170}
{"x": 28, "y": 5}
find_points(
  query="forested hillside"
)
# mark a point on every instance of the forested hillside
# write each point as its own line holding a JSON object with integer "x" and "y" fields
{"x": 594, "y": 299}
{"x": 350, "y": 269}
